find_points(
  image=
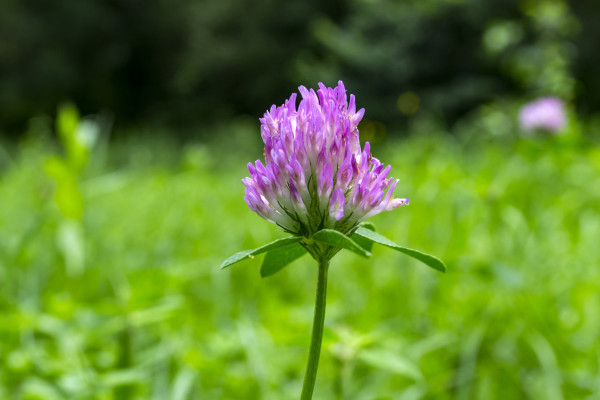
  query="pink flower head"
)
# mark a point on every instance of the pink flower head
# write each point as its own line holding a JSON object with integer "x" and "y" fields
{"x": 546, "y": 114}
{"x": 316, "y": 175}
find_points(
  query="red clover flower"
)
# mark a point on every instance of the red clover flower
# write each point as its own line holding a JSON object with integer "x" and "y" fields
{"x": 315, "y": 174}
{"x": 545, "y": 114}
{"x": 319, "y": 185}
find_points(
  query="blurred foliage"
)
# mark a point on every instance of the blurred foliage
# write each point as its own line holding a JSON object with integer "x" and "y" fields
{"x": 183, "y": 63}
{"x": 447, "y": 56}
{"x": 147, "y": 314}
{"x": 170, "y": 61}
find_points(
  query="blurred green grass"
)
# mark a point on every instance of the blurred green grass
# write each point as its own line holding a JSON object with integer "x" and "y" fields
{"x": 128, "y": 302}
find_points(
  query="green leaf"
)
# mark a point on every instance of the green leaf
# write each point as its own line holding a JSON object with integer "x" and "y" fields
{"x": 67, "y": 195}
{"x": 278, "y": 258}
{"x": 242, "y": 255}
{"x": 425, "y": 258}
{"x": 368, "y": 225}
{"x": 391, "y": 361}
{"x": 366, "y": 244}
{"x": 338, "y": 239}
{"x": 67, "y": 123}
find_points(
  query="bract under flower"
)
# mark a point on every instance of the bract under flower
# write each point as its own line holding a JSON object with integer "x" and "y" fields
{"x": 316, "y": 174}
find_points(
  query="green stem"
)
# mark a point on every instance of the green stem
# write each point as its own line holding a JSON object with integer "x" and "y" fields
{"x": 317, "y": 333}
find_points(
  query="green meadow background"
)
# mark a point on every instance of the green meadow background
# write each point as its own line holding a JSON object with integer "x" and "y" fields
{"x": 125, "y": 129}
{"x": 111, "y": 287}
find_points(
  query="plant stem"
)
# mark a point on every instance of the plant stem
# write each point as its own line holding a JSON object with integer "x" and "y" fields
{"x": 317, "y": 333}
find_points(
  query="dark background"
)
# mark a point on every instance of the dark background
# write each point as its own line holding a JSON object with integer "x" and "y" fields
{"x": 184, "y": 64}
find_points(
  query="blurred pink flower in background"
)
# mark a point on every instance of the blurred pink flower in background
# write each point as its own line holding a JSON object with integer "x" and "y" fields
{"x": 545, "y": 114}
